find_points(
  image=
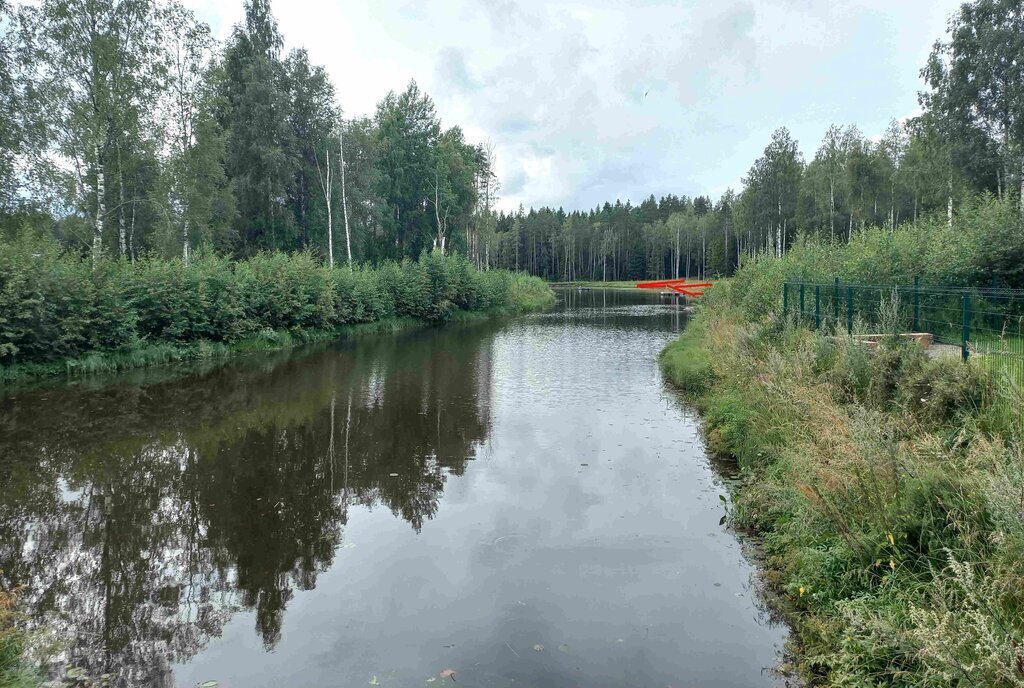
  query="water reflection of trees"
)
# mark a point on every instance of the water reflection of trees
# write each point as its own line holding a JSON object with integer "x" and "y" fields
{"x": 141, "y": 516}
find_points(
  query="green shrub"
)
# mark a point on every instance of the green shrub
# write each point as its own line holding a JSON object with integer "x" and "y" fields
{"x": 56, "y": 306}
{"x": 938, "y": 391}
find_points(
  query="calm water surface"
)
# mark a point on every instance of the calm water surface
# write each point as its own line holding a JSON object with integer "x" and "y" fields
{"x": 523, "y": 502}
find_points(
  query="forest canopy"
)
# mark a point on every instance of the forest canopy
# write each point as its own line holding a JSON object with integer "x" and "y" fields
{"x": 129, "y": 130}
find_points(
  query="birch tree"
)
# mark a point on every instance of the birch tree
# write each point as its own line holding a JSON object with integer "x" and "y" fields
{"x": 188, "y": 50}
{"x": 324, "y": 175}
{"x": 344, "y": 192}
{"x": 976, "y": 84}
{"x": 93, "y": 61}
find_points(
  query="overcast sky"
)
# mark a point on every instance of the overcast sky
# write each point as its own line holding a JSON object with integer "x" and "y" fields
{"x": 596, "y": 100}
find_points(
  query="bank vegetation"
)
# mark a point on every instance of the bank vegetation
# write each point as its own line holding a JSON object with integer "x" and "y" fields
{"x": 61, "y": 313}
{"x": 887, "y": 486}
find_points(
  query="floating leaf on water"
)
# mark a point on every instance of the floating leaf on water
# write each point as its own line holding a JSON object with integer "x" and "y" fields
{"x": 208, "y": 684}
{"x": 447, "y": 673}
{"x": 431, "y": 679}
{"x": 538, "y": 647}
{"x": 394, "y": 475}
{"x": 374, "y": 681}
{"x": 722, "y": 498}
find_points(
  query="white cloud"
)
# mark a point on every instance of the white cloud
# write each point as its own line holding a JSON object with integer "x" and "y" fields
{"x": 590, "y": 101}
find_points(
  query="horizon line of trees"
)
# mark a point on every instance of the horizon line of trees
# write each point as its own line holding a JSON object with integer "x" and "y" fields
{"x": 130, "y": 130}
{"x": 969, "y": 140}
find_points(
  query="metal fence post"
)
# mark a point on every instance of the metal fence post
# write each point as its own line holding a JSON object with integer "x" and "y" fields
{"x": 917, "y": 304}
{"x": 817, "y": 306}
{"x": 835, "y": 302}
{"x": 965, "y": 334}
{"x": 801, "y": 301}
{"x": 849, "y": 310}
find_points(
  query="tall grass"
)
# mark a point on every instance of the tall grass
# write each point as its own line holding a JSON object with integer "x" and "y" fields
{"x": 59, "y": 313}
{"x": 15, "y": 671}
{"x": 888, "y": 488}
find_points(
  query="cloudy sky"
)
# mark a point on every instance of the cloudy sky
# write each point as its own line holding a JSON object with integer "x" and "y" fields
{"x": 601, "y": 99}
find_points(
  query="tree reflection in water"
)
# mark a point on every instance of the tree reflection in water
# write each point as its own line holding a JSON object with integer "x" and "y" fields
{"x": 140, "y": 515}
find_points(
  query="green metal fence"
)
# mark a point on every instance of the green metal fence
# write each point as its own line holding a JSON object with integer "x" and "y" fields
{"x": 984, "y": 324}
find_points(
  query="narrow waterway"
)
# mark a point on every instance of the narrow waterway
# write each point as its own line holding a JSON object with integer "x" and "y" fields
{"x": 522, "y": 503}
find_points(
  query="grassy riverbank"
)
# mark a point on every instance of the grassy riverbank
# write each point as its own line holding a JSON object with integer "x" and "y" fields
{"x": 887, "y": 486}
{"x": 61, "y": 316}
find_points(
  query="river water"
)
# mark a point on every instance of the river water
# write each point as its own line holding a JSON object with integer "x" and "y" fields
{"x": 520, "y": 502}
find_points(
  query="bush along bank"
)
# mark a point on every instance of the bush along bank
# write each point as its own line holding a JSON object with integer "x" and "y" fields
{"x": 887, "y": 489}
{"x": 59, "y": 314}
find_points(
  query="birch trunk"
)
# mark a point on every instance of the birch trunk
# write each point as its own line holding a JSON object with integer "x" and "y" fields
{"x": 327, "y": 187}
{"x": 892, "y": 205}
{"x": 439, "y": 239}
{"x": 101, "y": 210}
{"x": 330, "y": 214}
{"x": 122, "y": 234}
{"x": 832, "y": 206}
{"x": 949, "y": 201}
{"x": 344, "y": 199}
{"x": 703, "y": 255}
{"x": 1020, "y": 201}
{"x": 131, "y": 231}
{"x": 185, "y": 240}
{"x": 677, "y": 252}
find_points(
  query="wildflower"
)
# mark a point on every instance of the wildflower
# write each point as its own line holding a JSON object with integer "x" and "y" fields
{"x": 801, "y": 591}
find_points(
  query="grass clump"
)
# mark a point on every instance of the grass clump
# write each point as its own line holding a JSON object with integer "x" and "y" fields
{"x": 15, "y": 671}
{"x": 888, "y": 493}
{"x": 686, "y": 363}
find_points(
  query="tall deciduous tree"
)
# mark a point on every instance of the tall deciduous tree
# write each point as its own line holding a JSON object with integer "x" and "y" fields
{"x": 976, "y": 82}
{"x": 199, "y": 198}
{"x": 95, "y": 78}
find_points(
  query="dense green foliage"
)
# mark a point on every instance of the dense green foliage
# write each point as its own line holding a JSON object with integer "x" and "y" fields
{"x": 129, "y": 130}
{"x": 132, "y": 131}
{"x": 982, "y": 247}
{"x": 886, "y": 484}
{"x": 969, "y": 140}
{"x": 55, "y": 306}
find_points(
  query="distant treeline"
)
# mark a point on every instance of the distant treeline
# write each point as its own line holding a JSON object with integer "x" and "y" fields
{"x": 127, "y": 129}
{"x": 969, "y": 140}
